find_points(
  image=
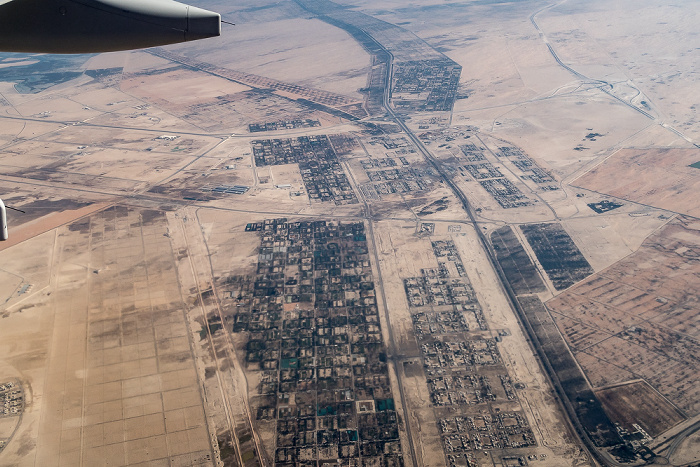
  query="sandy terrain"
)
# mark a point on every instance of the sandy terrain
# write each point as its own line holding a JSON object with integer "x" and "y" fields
{"x": 113, "y": 336}
{"x": 191, "y": 88}
{"x": 297, "y": 50}
{"x": 663, "y": 178}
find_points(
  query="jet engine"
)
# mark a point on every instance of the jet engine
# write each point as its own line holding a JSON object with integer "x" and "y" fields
{"x": 87, "y": 26}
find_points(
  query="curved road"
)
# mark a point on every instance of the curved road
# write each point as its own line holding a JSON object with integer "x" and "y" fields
{"x": 604, "y": 86}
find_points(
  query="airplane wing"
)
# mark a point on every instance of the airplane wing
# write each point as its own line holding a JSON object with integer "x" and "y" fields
{"x": 87, "y": 26}
{"x": 90, "y": 26}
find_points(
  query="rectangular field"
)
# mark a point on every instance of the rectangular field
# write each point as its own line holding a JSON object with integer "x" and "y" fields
{"x": 638, "y": 403}
{"x": 107, "y": 349}
{"x": 564, "y": 370}
{"x": 557, "y": 253}
{"x": 516, "y": 264}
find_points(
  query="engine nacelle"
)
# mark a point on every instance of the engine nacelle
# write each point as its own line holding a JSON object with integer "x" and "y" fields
{"x": 4, "y": 235}
{"x": 87, "y": 26}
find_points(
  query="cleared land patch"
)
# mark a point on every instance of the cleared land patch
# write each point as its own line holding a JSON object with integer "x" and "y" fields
{"x": 663, "y": 178}
{"x": 557, "y": 253}
{"x": 638, "y": 403}
{"x": 517, "y": 266}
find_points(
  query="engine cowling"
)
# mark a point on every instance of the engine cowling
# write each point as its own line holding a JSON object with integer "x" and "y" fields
{"x": 87, "y": 26}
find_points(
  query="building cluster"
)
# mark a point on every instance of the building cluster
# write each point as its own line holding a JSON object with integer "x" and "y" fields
{"x": 226, "y": 189}
{"x": 542, "y": 178}
{"x": 474, "y": 399}
{"x": 439, "y": 121}
{"x": 11, "y": 405}
{"x": 483, "y": 170}
{"x": 446, "y": 285}
{"x": 425, "y": 85}
{"x": 400, "y": 174}
{"x": 500, "y": 431}
{"x": 426, "y": 228}
{"x": 439, "y": 355}
{"x": 318, "y": 161}
{"x": 399, "y": 143}
{"x": 11, "y": 399}
{"x": 386, "y": 162}
{"x": 604, "y": 206}
{"x": 314, "y": 339}
{"x": 387, "y": 177}
{"x": 449, "y": 134}
{"x": 473, "y": 153}
{"x": 439, "y": 322}
{"x": 283, "y": 125}
{"x": 529, "y": 168}
{"x": 166, "y": 137}
{"x": 436, "y": 288}
{"x": 490, "y": 177}
{"x": 636, "y": 437}
{"x": 505, "y": 193}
